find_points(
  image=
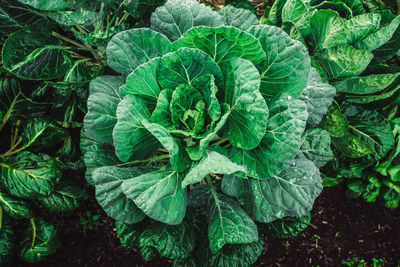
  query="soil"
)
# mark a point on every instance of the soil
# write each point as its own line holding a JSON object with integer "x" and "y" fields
{"x": 340, "y": 229}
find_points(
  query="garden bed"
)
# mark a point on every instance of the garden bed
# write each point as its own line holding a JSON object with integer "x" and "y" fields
{"x": 340, "y": 229}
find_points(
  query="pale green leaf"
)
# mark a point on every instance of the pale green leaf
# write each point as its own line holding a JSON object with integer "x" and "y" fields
{"x": 240, "y": 18}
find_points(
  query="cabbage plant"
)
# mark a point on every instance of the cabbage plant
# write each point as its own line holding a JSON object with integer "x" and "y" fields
{"x": 207, "y": 137}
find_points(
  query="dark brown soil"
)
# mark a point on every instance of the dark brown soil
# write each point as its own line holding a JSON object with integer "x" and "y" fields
{"x": 340, "y": 229}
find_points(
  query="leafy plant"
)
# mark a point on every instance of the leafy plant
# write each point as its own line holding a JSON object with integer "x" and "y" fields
{"x": 356, "y": 52}
{"x": 90, "y": 221}
{"x": 209, "y": 131}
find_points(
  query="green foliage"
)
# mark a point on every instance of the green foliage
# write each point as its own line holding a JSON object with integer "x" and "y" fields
{"x": 90, "y": 221}
{"x": 203, "y": 97}
{"x": 356, "y": 51}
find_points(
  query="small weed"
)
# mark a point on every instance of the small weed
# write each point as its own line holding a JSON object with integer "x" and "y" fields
{"x": 287, "y": 244}
{"x": 90, "y": 221}
{"x": 337, "y": 235}
{"x": 356, "y": 262}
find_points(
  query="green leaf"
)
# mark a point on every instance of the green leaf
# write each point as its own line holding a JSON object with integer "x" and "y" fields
{"x": 222, "y": 43}
{"x": 229, "y": 224}
{"x": 290, "y": 193}
{"x": 366, "y": 84}
{"x": 287, "y": 62}
{"x": 298, "y": 12}
{"x": 108, "y": 183}
{"x": 177, "y": 16}
{"x": 143, "y": 82}
{"x": 35, "y": 57}
{"x": 361, "y": 26}
{"x": 239, "y": 255}
{"x": 12, "y": 102}
{"x": 318, "y": 96}
{"x": 40, "y": 239}
{"x": 97, "y": 155}
{"x": 40, "y": 133}
{"x": 351, "y": 146}
{"x": 171, "y": 241}
{"x": 67, "y": 196}
{"x": 127, "y": 233}
{"x": 370, "y": 127}
{"x": 380, "y": 37}
{"x": 212, "y": 162}
{"x": 344, "y": 61}
{"x": 184, "y": 65}
{"x": 328, "y": 29}
{"x": 6, "y": 241}
{"x": 249, "y": 112}
{"x": 162, "y": 112}
{"x": 102, "y": 107}
{"x": 82, "y": 72}
{"x": 317, "y": 146}
{"x": 335, "y": 122}
{"x": 129, "y": 49}
{"x": 73, "y": 18}
{"x": 16, "y": 208}
{"x": 289, "y": 226}
{"x": 46, "y": 5}
{"x": 29, "y": 176}
{"x": 131, "y": 139}
{"x": 159, "y": 195}
{"x": 178, "y": 157}
{"x": 238, "y": 17}
{"x": 283, "y": 137}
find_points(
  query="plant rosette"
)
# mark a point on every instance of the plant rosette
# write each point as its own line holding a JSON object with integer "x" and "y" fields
{"x": 207, "y": 133}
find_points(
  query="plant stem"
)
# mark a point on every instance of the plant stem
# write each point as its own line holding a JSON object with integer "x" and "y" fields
{"x": 34, "y": 232}
{"x": 211, "y": 186}
{"x": 155, "y": 158}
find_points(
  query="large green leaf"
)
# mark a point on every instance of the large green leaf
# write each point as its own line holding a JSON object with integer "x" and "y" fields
{"x": 11, "y": 100}
{"x": 288, "y": 226}
{"x": 41, "y": 133}
{"x": 287, "y": 62}
{"x": 335, "y": 122}
{"x": 380, "y": 37}
{"x": 238, "y": 255}
{"x": 283, "y": 137}
{"x": 46, "y": 5}
{"x": 15, "y": 207}
{"x": 129, "y": 49}
{"x": 102, "y": 105}
{"x": 328, "y": 29}
{"x": 40, "y": 239}
{"x": 127, "y": 233}
{"x": 29, "y": 176}
{"x": 229, "y": 224}
{"x": 6, "y": 240}
{"x": 171, "y": 241}
{"x": 143, "y": 82}
{"x": 184, "y": 65}
{"x": 317, "y": 146}
{"x": 130, "y": 137}
{"x": 35, "y": 56}
{"x": 177, "y": 16}
{"x": 108, "y": 183}
{"x": 249, "y": 112}
{"x": 370, "y": 127}
{"x": 352, "y": 147}
{"x": 100, "y": 38}
{"x": 73, "y": 18}
{"x": 97, "y": 155}
{"x": 290, "y": 193}
{"x": 361, "y": 26}
{"x": 222, "y": 43}
{"x": 67, "y": 196}
{"x": 212, "y": 162}
{"x": 318, "y": 96}
{"x": 238, "y": 17}
{"x": 159, "y": 195}
{"x": 178, "y": 157}
{"x": 366, "y": 84}
{"x": 344, "y": 61}
{"x": 298, "y": 12}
